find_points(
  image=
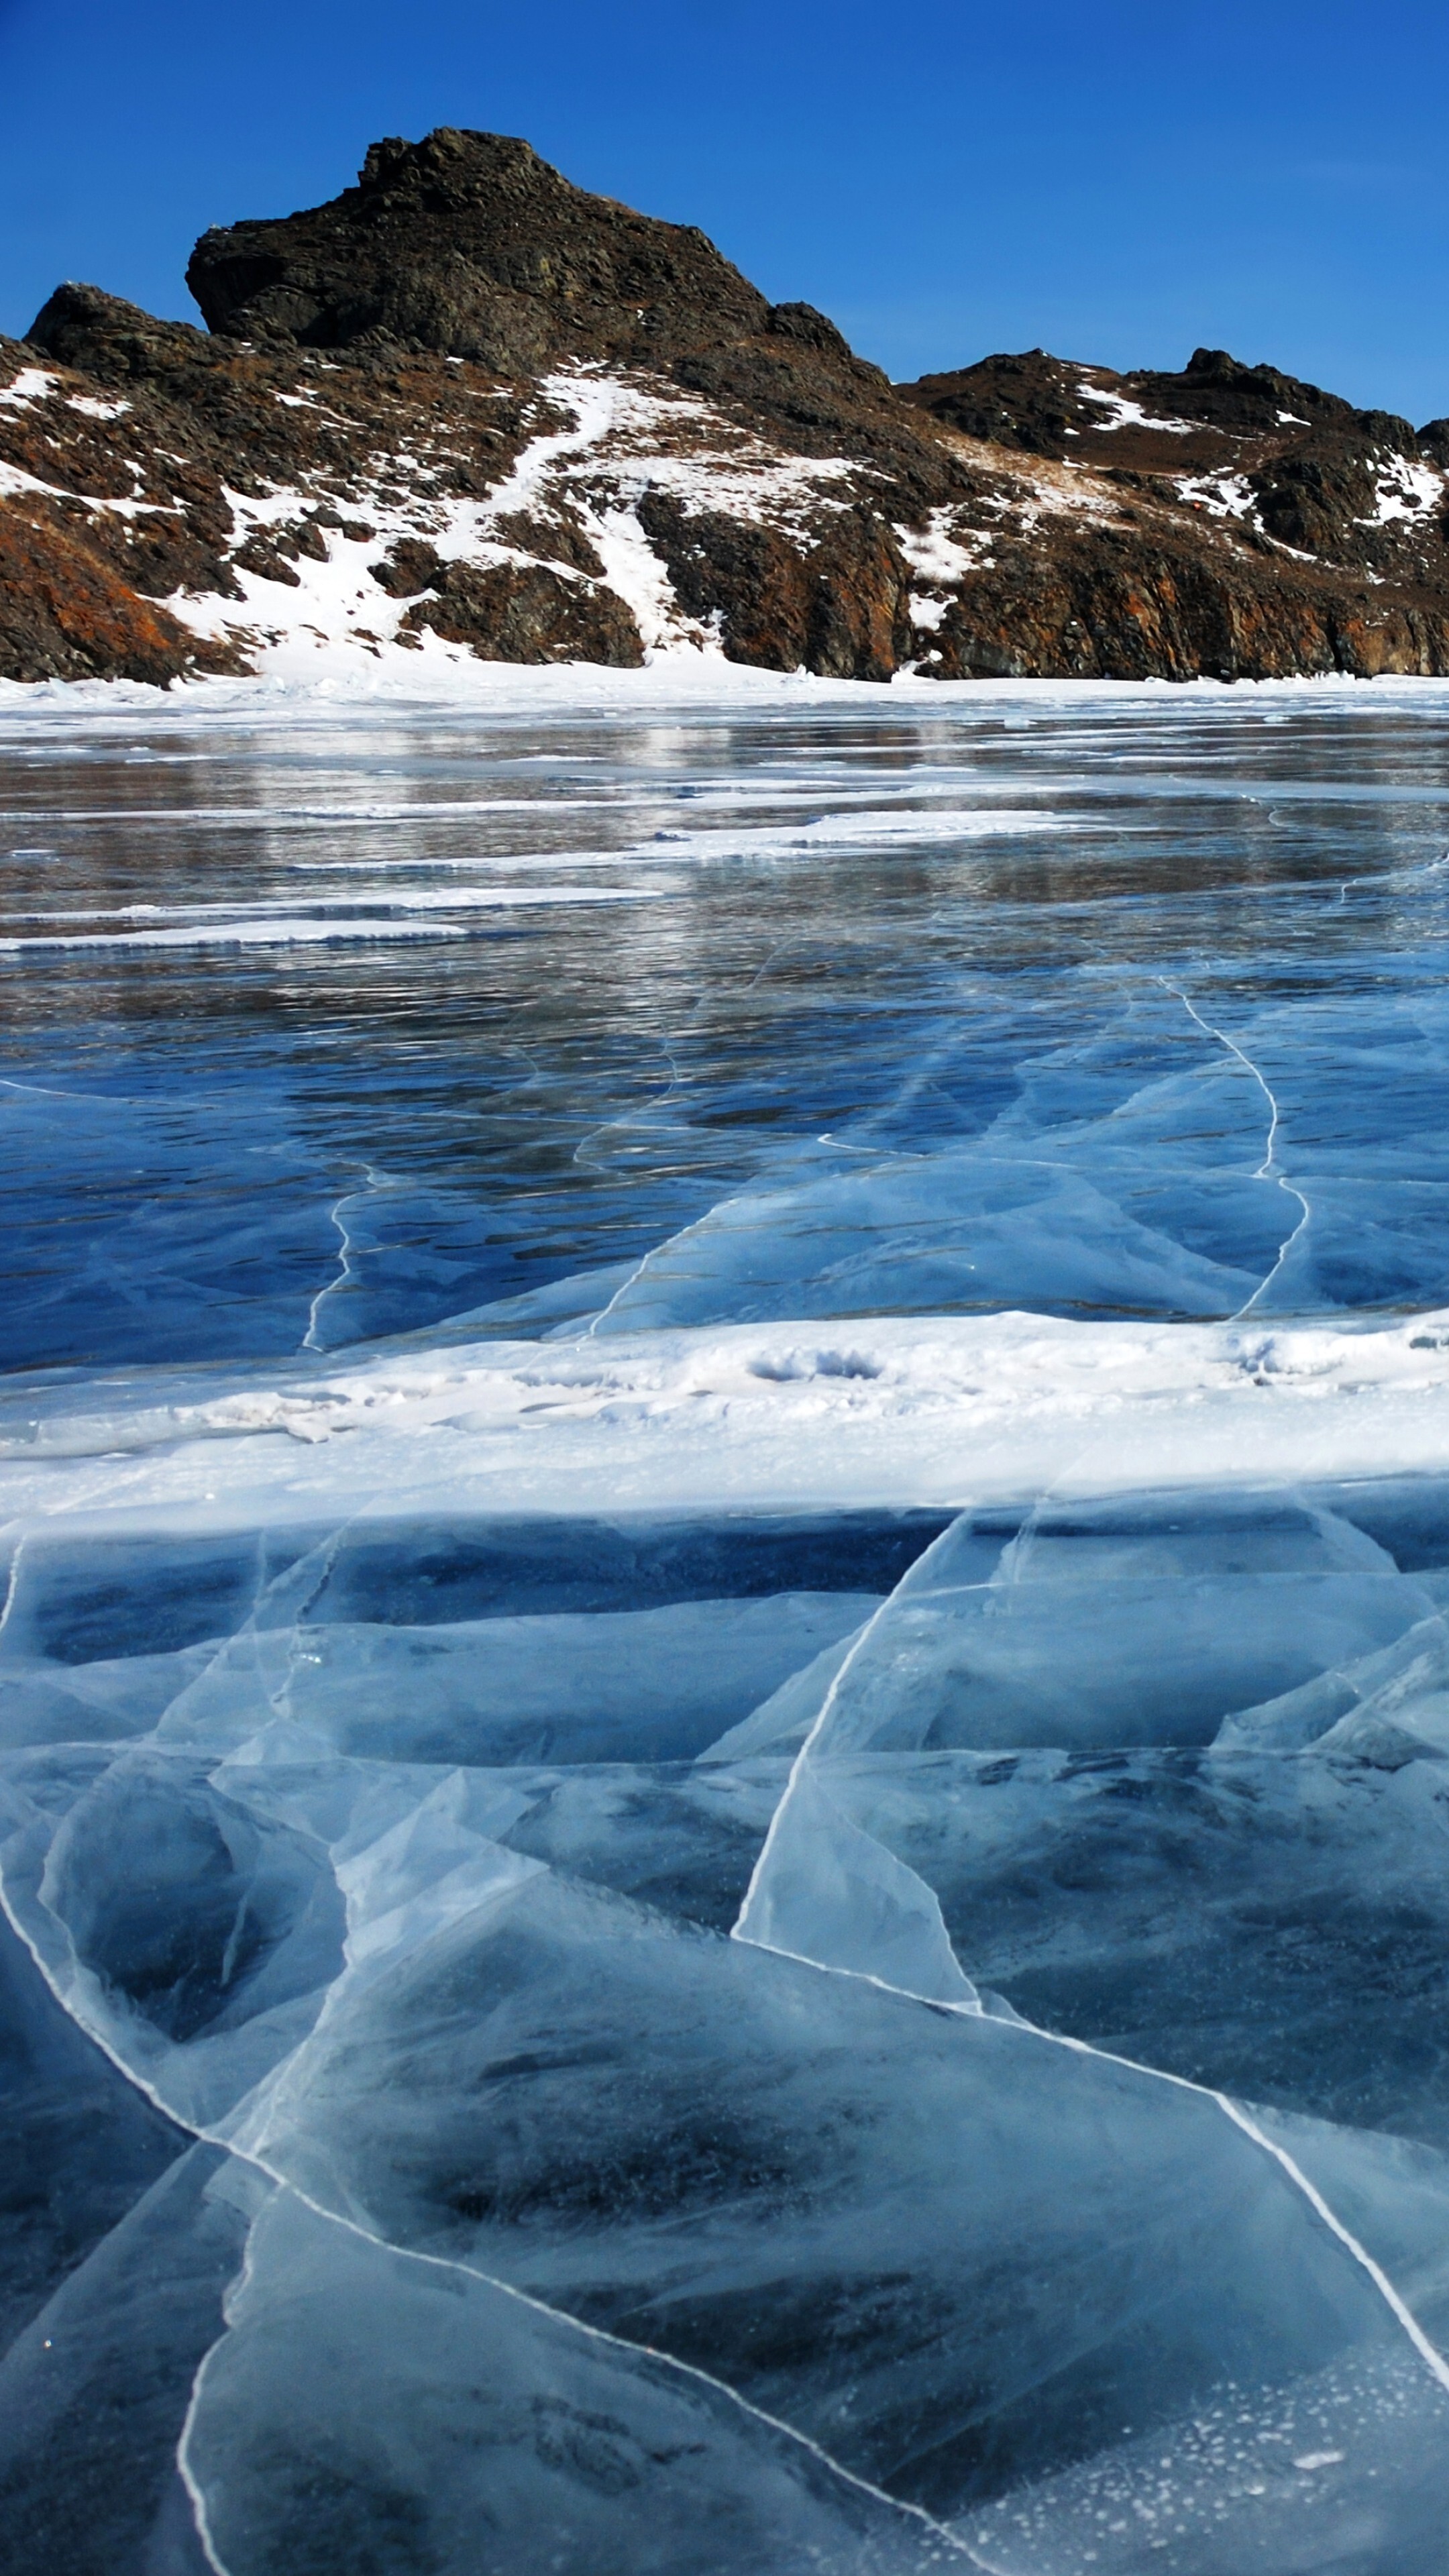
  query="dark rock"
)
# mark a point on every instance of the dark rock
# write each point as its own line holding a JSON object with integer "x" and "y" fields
{"x": 841, "y": 609}
{"x": 1304, "y": 500}
{"x": 258, "y": 557}
{"x": 1029, "y": 401}
{"x": 814, "y": 330}
{"x": 469, "y": 243}
{"x": 163, "y": 552}
{"x": 1220, "y": 390}
{"x": 1041, "y": 404}
{"x": 104, "y": 336}
{"x": 817, "y": 407}
{"x": 409, "y": 567}
{"x": 525, "y": 613}
{"x": 560, "y": 538}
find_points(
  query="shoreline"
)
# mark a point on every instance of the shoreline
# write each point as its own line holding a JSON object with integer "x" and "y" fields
{"x": 439, "y": 679}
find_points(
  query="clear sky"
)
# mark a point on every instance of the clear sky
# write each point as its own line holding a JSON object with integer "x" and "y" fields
{"x": 1115, "y": 182}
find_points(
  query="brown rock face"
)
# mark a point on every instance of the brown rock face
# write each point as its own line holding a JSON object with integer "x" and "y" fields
{"x": 512, "y": 612}
{"x": 469, "y": 400}
{"x": 65, "y": 613}
{"x": 1311, "y": 466}
{"x": 1124, "y": 612}
{"x": 842, "y": 610}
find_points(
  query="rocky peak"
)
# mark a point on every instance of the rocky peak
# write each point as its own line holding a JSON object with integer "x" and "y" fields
{"x": 102, "y": 335}
{"x": 1044, "y": 404}
{"x": 1030, "y": 400}
{"x": 1219, "y": 390}
{"x": 470, "y": 245}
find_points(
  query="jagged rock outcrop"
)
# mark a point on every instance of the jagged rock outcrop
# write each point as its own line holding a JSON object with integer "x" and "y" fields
{"x": 1040, "y": 403}
{"x": 467, "y": 407}
{"x": 471, "y": 245}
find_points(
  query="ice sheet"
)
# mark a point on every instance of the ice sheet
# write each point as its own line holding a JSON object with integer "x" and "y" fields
{"x": 723, "y": 1674}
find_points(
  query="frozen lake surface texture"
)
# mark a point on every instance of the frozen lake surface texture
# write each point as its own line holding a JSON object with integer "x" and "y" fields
{"x": 724, "y": 1777}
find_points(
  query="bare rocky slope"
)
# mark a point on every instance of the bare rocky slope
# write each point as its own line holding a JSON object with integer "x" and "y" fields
{"x": 468, "y": 407}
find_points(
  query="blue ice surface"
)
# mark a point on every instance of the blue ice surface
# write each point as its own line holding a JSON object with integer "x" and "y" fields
{"x": 739, "y": 2042}
{"x": 1025, "y": 1062}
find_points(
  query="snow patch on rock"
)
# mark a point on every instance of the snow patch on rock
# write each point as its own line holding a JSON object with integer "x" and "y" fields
{"x": 1130, "y": 415}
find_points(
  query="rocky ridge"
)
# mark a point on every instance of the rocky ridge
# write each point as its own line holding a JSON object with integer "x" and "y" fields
{"x": 470, "y": 408}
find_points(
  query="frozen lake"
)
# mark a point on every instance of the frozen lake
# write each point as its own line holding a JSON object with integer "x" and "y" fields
{"x": 724, "y": 1692}
{"x": 819, "y": 1011}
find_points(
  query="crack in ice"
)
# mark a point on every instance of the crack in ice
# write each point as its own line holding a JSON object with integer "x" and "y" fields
{"x": 204, "y": 2134}
{"x": 656, "y": 1252}
{"x": 1428, "y": 2352}
{"x": 1265, "y": 1170}
{"x": 12, "y": 1582}
{"x": 1403, "y": 2315}
{"x": 345, "y": 1274}
{"x": 556, "y": 2316}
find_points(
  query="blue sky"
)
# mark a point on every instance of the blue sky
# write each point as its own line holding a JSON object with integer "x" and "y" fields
{"x": 1114, "y": 183}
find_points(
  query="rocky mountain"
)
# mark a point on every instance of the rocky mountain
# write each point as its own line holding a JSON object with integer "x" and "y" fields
{"x": 469, "y": 408}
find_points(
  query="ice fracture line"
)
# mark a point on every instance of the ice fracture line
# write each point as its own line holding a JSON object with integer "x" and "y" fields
{"x": 346, "y": 1248}
{"x": 210, "y": 2135}
{"x": 1265, "y": 1170}
{"x": 12, "y": 1582}
{"x": 1398, "y": 2307}
{"x": 940, "y": 1546}
{"x": 953, "y": 2541}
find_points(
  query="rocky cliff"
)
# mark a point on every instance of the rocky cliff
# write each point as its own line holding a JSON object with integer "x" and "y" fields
{"x": 468, "y": 407}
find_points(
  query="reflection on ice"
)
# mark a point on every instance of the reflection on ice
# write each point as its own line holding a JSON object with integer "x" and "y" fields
{"x": 1049, "y": 1018}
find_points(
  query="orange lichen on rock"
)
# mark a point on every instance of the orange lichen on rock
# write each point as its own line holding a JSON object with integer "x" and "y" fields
{"x": 66, "y": 614}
